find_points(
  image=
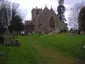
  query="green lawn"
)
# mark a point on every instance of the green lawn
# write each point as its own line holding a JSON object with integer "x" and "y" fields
{"x": 46, "y": 49}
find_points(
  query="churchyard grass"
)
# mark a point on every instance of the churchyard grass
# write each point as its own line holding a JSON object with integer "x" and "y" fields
{"x": 46, "y": 49}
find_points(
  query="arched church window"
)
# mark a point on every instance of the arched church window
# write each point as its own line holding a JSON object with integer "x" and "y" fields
{"x": 52, "y": 22}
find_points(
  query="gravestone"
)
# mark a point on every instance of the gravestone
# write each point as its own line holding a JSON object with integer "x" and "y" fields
{"x": 1, "y": 40}
{"x": 84, "y": 46}
{"x": 1, "y": 54}
{"x": 82, "y": 32}
{"x": 13, "y": 41}
{"x": 7, "y": 39}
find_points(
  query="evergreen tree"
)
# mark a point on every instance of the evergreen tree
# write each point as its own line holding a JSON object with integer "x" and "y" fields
{"x": 81, "y": 19}
{"x": 61, "y": 16}
{"x": 61, "y": 10}
{"x": 16, "y": 24}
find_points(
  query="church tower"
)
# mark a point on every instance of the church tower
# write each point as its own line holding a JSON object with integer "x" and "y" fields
{"x": 35, "y": 12}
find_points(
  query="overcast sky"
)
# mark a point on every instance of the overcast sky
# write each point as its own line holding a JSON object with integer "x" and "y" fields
{"x": 27, "y": 5}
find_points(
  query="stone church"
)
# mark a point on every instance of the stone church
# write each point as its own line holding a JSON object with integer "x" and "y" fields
{"x": 44, "y": 21}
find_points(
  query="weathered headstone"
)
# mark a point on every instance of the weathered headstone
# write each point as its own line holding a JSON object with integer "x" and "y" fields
{"x": 13, "y": 43}
{"x": 1, "y": 54}
{"x": 7, "y": 39}
{"x": 84, "y": 46}
{"x": 82, "y": 32}
{"x": 1, "y": 40}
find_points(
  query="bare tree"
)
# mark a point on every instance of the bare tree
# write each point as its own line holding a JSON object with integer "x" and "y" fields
{"x": 10, "y": 15}
{"x": 4, "y": 14}
{"x": 17, "y": 18}
{"x": 73, "y": 15}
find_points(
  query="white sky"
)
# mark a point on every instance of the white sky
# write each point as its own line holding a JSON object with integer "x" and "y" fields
{"x": 27, "y": 5}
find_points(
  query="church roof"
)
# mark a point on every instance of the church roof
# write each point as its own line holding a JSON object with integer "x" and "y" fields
{"x": 45, "y": 9}
{"x": 52, "y": 11}
{"x": 28, "y": 22}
